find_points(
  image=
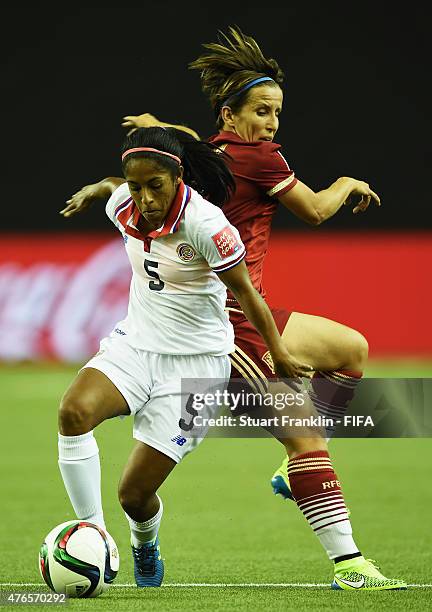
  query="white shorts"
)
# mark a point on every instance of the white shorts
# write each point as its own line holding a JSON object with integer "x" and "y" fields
{"x": 151, "y": 386}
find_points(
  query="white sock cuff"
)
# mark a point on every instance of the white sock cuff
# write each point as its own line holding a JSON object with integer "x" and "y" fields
{"x": 76, "y": 448}
{"x": 151, "y": 522}
{"x": 337, "y": 540}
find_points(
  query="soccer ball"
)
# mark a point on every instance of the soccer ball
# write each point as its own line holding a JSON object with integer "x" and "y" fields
{"x": 79, "y": 559}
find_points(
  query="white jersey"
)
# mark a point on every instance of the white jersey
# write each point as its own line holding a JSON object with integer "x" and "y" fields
{"x": 176, "y": 301}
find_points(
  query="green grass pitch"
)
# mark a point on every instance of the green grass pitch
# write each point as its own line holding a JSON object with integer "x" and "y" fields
{"x": 221, "y": 523}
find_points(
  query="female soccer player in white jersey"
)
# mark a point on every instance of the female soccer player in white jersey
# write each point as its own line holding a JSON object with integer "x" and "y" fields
{"x": 244, "y": 90}
{"x": 183, "y": 252}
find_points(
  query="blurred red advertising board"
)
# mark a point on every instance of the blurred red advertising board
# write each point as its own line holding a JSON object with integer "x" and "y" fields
{"x": 60, "y": 294}
{"x": 379, "y": 283}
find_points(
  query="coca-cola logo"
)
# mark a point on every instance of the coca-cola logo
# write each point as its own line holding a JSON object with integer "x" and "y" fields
{"x": 62, "y": 310}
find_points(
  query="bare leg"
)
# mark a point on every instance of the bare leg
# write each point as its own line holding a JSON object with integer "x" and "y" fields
{"x": 299, "y": 446}
{"x": 145, "y": 471}
{"x": 325, "y": 344}
{"x": 338, "y": 354}
{"x": 296, "y": 439}
{"x": 90, "y": 399}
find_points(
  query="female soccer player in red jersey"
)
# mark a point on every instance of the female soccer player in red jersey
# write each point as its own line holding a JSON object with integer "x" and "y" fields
{"x": 244, "y": 90}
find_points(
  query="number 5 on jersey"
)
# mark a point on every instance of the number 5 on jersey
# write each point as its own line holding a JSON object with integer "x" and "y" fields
{"x": 154, "y": 286}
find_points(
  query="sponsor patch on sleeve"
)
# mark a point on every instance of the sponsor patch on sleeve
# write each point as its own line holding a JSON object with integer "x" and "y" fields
{"x": 226, "y": 242}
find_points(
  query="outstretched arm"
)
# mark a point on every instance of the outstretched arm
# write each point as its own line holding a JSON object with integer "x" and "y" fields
{"x": 258, "y": 313}
{"x": 82, "y": 199}
{"x": 148, "y": 120}
{"x": 314, "y": 208}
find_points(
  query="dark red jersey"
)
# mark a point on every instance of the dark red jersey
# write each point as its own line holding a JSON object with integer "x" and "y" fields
{"x": 262, "y": 175}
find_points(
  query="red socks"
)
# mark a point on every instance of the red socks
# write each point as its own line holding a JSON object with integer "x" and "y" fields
{"x": 331, "y": 393}
{"x": 317, "y": 492}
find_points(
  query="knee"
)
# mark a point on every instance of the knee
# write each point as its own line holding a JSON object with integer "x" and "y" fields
{"x": 75, "y": 415}
{"x": 359, "y": 350}
{"x": 132, "y": 499}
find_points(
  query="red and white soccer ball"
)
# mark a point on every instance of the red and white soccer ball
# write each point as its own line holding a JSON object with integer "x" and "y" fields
{"x": 78, "y": 559}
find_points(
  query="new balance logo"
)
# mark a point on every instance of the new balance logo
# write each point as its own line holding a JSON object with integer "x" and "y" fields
{"x": 179, "y": 440}
{"x": 329, "y": 484}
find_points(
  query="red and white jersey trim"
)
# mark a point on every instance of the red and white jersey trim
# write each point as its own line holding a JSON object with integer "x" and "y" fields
{"x": 231, "y": 264}
{"x": 282, "y": 185}
{"x": 123, "y": 213}
{"x": 122, "y": 206}
{"x": 128, "y": 215}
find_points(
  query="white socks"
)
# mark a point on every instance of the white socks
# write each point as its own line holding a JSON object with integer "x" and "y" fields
{"x": 80, "y": 468}
{"x": 337, "y": 540}
{"x": 142, "y": 533}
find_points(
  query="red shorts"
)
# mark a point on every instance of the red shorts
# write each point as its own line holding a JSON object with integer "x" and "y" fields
{"x": 251, "y": 359}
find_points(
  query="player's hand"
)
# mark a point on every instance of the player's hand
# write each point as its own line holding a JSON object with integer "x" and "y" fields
{"x": 81, "y": 200}
{"x": 291, "y": 370}
{"x": 145, "y": 120}
{"x": 287, "y": 366}
{"x": 361, "y": 196}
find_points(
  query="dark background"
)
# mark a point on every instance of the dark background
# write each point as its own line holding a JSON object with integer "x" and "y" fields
{"x": 357, "y": 98}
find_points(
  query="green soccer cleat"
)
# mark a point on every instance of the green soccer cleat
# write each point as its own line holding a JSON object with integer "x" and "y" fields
{"x": 360, "y": 574}
{"x": 280, "y": 481}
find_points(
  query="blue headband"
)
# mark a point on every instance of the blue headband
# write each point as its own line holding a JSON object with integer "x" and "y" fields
{"x": 248, "y": 86}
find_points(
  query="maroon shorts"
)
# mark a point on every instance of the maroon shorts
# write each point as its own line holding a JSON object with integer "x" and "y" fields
{"x": 251, "y": 359}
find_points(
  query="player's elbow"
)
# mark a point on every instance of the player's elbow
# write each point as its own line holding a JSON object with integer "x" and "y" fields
{"x": 316, "y": 218}
{"x": 317, "y": 210}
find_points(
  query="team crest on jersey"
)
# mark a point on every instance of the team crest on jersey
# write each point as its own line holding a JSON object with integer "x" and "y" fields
{"x": 185, "y": 252}
{"x": 226, "y": 242}
{"x": 267, "y": 358}
{"x": 221, "y": 148}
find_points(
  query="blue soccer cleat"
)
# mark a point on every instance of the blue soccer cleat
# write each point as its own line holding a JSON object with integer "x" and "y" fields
{"x": 280, "y": 482}
{"x": 148, "y": 564}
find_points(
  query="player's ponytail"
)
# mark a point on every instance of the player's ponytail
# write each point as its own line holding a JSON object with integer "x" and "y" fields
{"x": 230, "y": 66}
{"x": 204, "y": 164}
{"x": 205, "y": 168}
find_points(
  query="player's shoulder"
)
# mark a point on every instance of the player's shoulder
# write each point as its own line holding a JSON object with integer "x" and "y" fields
{"x": 261, "y": 153}
{"x": 234, "y": 142}
{"x": 121, "y": 196}
{"x": 208, "y": 231}
{"x": 199, "y": 209}
{"x": 251, "y": 157}
{"x": 202, "y": 218}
